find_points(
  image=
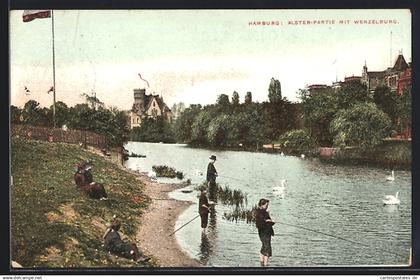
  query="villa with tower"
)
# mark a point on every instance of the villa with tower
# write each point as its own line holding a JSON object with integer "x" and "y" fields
{"x": 147, "y": 106}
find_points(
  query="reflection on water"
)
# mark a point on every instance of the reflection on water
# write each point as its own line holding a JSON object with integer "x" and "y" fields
{"x": 343, "y": 201}
{"x": 208, "y": 239}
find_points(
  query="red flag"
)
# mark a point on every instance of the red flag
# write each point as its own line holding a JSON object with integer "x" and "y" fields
{"x": 50, "y": 90}
{"x": 29, "y": 15}
{"x": 144, "y": 80}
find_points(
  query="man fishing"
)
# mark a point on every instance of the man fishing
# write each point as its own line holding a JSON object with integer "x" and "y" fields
{"x": 265, "y": 230}
{"x": 211, "y": 178}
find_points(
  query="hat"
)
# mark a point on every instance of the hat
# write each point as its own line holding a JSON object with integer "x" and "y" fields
{"x": 115, "y": 225}
{"x": 213, "y": 157}
{"x": 263, "y": 201}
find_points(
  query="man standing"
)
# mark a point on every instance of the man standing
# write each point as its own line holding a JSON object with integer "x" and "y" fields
{"x": 211, "y": 177}
{"x": 265, "y": 230}
{"x": 203, "y": 209}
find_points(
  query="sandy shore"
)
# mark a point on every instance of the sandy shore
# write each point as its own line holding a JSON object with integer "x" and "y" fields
{"x": 158, "y": 221}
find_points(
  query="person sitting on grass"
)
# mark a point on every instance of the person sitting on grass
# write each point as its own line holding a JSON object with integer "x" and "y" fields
{"x": 115, "y": 245}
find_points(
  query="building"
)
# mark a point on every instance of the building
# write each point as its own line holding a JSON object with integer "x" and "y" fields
{"x": 397, "y": 78}
{"x": 147, "y": 106}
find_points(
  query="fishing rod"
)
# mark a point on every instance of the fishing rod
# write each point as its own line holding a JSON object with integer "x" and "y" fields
{"x": 185, "y": 224}
{"x": 341, "y": 238}
{"x": 247, "y": 181}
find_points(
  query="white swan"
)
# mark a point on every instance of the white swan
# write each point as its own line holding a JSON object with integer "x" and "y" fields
{"x": 391, "y": 200}
{"x": 152, "y": 174}
{"x": 198, "y": 172}
{"x": 282, "y": 154}
{"x": 391, "y": 178}
{"x": 302, "y": 156}
{"x": 281, "y": 188}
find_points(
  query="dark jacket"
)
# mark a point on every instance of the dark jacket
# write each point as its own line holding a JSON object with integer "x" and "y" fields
{"x": 203, "y": 200}
{"x": 263, "y": 226}
{"x": 211, "y": 173}
{"x": 114, "y": 244}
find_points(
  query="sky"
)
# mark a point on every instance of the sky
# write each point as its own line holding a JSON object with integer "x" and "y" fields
{"x": 192, "y": 56}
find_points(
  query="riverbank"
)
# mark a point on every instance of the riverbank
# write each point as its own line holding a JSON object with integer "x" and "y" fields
{"x": 390, "y": 154}
{"x": 55, "y": 225}
{"x": 158, "y": 222}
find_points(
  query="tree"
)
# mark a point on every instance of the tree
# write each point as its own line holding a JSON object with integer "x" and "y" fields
{"x": 153, "y": 130}
{"x": 351, "y": 93}
{"x": 274, "y": 91}
{"x": 223, "y": 100}
{"x": 235, "y": 98}
{"x": 16, "y": 115}
{"x": 93, "y": 101}
{"x": 362, "y": 125}
{"x": 183, "y": 124}
{"x": 35, "y": 115}
{"x": 387, "y": 101}
{"x": 296, "y": 141}
{"x": 61, "y": 113}
{"x": 248, "y": 98}
{"x": 319, "y": 108}
{"x": 404, "y": 109}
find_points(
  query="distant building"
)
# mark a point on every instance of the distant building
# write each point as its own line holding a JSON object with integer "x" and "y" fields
{"x": 397, "y": 78}
{"x": 147, "y": 106}
{"x": 317, "y": 86}
{"x": 352, "y": 79}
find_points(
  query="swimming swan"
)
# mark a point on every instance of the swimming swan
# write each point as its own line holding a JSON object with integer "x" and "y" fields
{"x": 152, "y": 174}
{"x": 282, "y": 187}
{"x": 391, "y": 200}
{"x": 391, "y": 178}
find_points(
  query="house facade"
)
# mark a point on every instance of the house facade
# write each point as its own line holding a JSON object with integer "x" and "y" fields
{"x": 397, "y": 78}
{"x": 147, "y": 106}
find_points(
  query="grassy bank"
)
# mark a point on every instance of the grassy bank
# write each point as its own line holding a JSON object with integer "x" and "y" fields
{"x": 389, "y": 154}
{"x": 53, "y": 224}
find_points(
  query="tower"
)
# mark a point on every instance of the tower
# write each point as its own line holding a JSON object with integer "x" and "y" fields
{"x": 139, "y": 99}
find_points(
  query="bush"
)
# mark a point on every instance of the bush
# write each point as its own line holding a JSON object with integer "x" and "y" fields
{"x": 296, "y": 141}
{"x": 165, "y": 171}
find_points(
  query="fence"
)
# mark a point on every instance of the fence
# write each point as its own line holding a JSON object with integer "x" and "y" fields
{"x": 59, "y": 135}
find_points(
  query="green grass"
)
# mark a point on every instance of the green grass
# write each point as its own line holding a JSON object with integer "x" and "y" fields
{"x": 53, "y": 224}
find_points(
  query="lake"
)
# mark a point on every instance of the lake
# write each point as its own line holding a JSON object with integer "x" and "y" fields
{"x": 328, "y": 215}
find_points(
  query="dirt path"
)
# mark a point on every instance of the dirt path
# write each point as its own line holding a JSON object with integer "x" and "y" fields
{"x": 158, "y": 222}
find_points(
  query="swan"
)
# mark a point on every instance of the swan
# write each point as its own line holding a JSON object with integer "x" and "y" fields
{"x": 302, "y": 156}
{"x": 282, "y": 154}
{"x": 391, "y": 178}
{"x": 282, "y": 187}
{"x": 152, "y": 174}
{"x": 391, "y": 200}
{"x": 198, "y": 172}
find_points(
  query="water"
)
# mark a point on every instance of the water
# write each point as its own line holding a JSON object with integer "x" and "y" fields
{"x": 340, "y": 201}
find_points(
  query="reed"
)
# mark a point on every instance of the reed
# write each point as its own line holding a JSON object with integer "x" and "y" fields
{"x": 166, "y": 171}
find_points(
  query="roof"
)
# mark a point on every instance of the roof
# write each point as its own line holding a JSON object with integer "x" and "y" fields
{"x": 400, "y": 64}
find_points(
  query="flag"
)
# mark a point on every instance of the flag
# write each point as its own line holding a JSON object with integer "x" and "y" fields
{"x": 50, "y": 90}
{"x": 29, "y": 15}
{"x": 144, "y": 80}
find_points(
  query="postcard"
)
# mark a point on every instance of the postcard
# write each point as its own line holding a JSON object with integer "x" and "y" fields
{"x": 210, "y": 138}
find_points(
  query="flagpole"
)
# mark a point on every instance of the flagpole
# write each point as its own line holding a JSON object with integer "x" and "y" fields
{"x": 53, "y": 53}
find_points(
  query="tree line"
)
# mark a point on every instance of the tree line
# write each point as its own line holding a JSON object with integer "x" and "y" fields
{"x": 229, "y": 123}
{"x": 353, "y": 116}
{"x": 91, "y": 116}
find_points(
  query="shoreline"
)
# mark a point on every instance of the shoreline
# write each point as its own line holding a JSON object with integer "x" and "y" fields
{"x": 158, "y": 221}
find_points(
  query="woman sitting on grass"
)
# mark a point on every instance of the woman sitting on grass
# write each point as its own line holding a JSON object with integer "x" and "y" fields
{"x": 115, "y": 245}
